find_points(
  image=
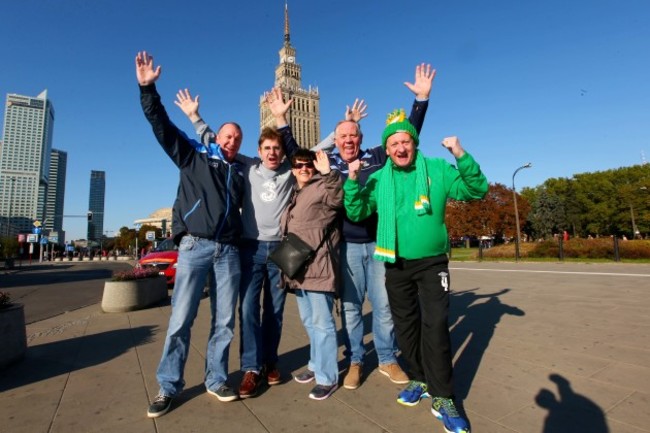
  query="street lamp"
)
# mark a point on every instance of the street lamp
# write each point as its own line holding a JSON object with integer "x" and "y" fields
{"x": 514, "y": 195}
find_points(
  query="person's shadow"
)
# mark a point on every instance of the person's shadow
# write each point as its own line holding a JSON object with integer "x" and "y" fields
{"x": 474, "y": 328}
{"x": 571, "y": 412}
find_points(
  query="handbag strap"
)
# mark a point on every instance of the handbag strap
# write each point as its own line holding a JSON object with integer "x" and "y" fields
{"x": 328, "y": 231}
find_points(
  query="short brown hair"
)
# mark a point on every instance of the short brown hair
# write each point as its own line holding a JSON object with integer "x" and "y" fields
{"x": 269, "y": 133}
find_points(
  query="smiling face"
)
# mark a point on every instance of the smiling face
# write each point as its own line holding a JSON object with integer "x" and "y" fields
{"x": 229, "y": 139}
{"x": 400, "y": 148}
{"x": 348, "y": 140}
{"x": 303, "y": 169}
{"x": 271, "y": 153}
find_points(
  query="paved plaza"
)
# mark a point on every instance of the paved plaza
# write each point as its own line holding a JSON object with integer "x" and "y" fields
{"x": 539, "y": 347}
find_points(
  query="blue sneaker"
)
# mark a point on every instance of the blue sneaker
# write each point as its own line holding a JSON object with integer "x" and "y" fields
{"x": 445, "y": 410}
{"x": 411, "y": 395}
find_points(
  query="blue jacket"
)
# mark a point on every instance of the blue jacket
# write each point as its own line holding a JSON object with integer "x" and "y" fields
{"x": 210, "y": 189}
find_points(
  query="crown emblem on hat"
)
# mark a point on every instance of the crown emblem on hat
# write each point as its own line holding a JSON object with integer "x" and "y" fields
{"x": 396, "y": 116}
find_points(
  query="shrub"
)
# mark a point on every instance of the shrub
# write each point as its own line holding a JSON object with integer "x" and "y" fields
{"x": 134, "y": 274}
{"x": 5, "y": 299}
{"x": 602, "y": 248}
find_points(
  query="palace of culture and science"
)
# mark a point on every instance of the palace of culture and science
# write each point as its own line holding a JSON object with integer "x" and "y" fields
{"x": 304, "y": 114}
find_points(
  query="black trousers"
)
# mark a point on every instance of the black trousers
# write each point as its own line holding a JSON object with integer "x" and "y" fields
{"x": 418, "y": 293}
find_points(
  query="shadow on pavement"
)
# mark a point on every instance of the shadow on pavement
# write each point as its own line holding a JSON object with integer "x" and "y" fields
{"x": 572, "y": 412}
{"x": 473, "y": 326}
{"x": 49, "y": 360}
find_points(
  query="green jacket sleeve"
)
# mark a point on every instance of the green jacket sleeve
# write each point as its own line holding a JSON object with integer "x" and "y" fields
{"x": 468, "y": 181}
{"x": 360, "y": 203}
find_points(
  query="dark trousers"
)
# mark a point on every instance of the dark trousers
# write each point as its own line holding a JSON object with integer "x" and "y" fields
{"x": 418, "y": 292}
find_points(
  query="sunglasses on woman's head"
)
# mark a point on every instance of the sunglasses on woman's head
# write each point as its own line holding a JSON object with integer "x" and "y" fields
{"x": 300, "y": 165}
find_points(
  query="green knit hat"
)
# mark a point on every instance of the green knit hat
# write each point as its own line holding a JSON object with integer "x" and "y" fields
{"x": 397, "y": 122}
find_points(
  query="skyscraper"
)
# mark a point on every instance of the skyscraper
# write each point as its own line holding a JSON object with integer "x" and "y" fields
{"x": 25, "y": 160}
{"x": 96, "y": 204}
{"x": 53, "y": 221}
{"x": 304, "y": 114}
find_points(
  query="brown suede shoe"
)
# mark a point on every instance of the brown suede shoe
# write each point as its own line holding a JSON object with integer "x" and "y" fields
{"x": 394, "y": 373}
{"x": 249, "y": 385}
{"x": 353, "y": 378}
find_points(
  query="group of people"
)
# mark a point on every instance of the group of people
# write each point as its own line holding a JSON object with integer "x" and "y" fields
{"x": 375, "y": 218}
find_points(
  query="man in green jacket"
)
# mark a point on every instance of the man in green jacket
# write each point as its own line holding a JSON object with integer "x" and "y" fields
{"x": 409, "y": 195}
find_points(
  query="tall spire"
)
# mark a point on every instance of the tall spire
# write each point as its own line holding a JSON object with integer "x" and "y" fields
{"x": 287, "y": 36}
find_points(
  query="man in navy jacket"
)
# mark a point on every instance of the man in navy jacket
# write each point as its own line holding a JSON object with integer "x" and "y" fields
{"x": 206, "y": 228}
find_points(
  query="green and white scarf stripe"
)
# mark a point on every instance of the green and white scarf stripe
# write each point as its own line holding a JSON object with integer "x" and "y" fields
{"x": 387, "y": 226}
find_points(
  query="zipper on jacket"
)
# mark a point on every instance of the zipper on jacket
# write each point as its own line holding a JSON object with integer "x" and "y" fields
{"x": 228, "y": 180}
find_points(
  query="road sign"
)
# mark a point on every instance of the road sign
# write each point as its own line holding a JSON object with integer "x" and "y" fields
{"x": 44, "y": 240}
{"x": 37, "y": 230}
{"x": 32, "y": 238}
{"x": 54, "y": 239}
{"x": 137, "y": 227}
{"x": 151, "y": 236}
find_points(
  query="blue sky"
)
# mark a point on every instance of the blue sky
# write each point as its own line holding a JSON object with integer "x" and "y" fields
{"x": 562, "y": 84}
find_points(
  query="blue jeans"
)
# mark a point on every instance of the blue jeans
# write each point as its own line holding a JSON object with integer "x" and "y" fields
{"x": 315, "y": 310}
{"x": 362, "y": 275}
{"x": 260, "y": 337}
{"x": 198, "y": 258}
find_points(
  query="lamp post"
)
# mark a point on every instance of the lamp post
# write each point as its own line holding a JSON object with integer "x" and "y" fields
{"x": 514, "y": 195}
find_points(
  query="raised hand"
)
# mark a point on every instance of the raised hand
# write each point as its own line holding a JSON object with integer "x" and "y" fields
{"x": 353, "y": 169}
{"x": 144, "y": 70}
{"x": 322, "y": 163}
{"x": 357, "y": 112}
{"x": 424, "y": 76}
{"x": 452, "y": 144}
{"x": 278, "y": 107}
{"x": 188, "y": 105}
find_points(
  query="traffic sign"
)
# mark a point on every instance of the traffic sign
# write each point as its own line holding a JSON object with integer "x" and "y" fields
{"x": 151, "y": 235}
{"x": 54, "y": 239}
{"x": 44, "y": 240}
{"x": 32, "y": 238}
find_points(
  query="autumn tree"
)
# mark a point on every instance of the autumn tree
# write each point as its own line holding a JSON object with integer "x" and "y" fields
{"x": 494, "y": 215}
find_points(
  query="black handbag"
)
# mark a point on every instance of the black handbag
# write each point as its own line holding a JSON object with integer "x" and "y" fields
{"x": 294, "y": 255}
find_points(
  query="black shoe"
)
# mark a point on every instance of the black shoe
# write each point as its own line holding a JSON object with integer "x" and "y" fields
{"x": 321, "y": 392}
{"x": 305, "y": 377}
{"x": 160, "y": 406}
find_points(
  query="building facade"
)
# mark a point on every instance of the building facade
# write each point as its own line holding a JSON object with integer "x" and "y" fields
{"x": 304, "y": 114}
{"x": 53, "y": 218}
{"x": 96, "y": 204}
{"x": 25, "y": 161}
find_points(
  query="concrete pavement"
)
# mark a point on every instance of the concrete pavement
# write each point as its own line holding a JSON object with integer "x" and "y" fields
{"x": 539, "y": 348}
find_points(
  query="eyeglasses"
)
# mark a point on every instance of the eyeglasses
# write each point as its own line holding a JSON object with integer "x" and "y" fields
{"x": 300, "y": 165}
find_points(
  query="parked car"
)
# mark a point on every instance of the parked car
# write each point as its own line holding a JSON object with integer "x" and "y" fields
{"x": 163, "y": 258}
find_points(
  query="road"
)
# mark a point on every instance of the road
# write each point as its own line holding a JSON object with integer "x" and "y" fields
{"x": 52, "y": 288}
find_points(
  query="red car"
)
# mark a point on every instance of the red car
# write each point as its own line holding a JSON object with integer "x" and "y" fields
{"x": 163, "y": 258}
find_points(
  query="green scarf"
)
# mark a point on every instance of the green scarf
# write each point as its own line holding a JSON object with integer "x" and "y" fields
{"x": 387, "y": 227}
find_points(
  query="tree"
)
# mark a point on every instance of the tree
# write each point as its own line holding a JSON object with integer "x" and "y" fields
{"x": 494, "y": 215}
{"x": 547, "y": 215}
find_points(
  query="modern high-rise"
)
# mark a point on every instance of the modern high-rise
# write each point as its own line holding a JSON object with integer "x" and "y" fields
{"x": 96, "y": 204}
{"x": 304, "y": 114}
{"x": 53, "y": 221}
{"x": 25, "y": 161}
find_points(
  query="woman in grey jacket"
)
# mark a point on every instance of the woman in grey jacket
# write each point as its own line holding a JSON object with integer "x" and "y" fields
{"x": 315, "y": 204}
